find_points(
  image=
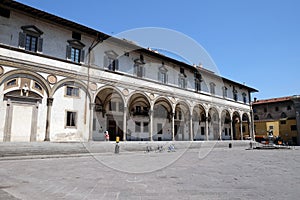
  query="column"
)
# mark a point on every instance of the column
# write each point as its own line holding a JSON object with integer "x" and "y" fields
{"x": 241, "y": 127}
{"x": 92, "y": 108}
{"x": 191, "y": 128}
{"x": 173, "y": 126}
{"x": 206, "y": 128}
{"x": 231, "y": 130}
{"x": 151, "y": 125}
{"x": 125, "y": 124}
{"x": 220, "y": 129}
{"x": 48, "y": 120}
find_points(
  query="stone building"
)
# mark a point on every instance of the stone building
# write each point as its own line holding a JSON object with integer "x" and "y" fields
{"x": 62, "y": 81}
{"x": 279, "y": 116}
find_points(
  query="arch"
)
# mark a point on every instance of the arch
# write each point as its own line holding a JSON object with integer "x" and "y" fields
{"x": 109, "y": 113}
{"x": 246, "y": 128}
{"x": 109, "y": 87}
{"x": 68, "y": 81}
{"x": 181, "y": 121}
{"x": 139, "y": 117}
{"x": 213, "y": 124}
{"x": 226, "y": 125}
{"x": 26, "y": 74}
{"x": 199, "y": 122}
{"x": 162, "y": 119}
{"x": 236, "y": 121}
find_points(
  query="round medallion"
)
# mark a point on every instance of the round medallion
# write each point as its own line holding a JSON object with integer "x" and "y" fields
{"x": 125, "y": 92}
{"x": 52, "y": 79}
{"x": 93, "y": 86}
{"x": 151, "y": 96}
{"x": 1, "y": 70}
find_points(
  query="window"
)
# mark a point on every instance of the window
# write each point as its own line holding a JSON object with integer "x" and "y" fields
{"x": 181, "y": 82}
{"x": 256, "y": 117}
{"x": 197, "y": 85}
{"x": 146, "y": 129}
{"x": 30, "y": 39}
{"x": 282, "y": 122}
{"x": 265, "y": 110}
{"x": 121, "y": 107}
{"x": 235, "y": 94}
{"x": 276, "y": 109}
{"x": 137, "y": 126}
{"x": 71, "y": 119}
{"x": 212, "y": 88}
{"x": 75, "y": 51}
{"x": 244, "y": 98}
{"x": 202, "y": 130}
{"x": 37, "y": 86}
{"x": 111, "y": 61}
{"x": 225, "y": 92}
{"x": 112, "y": 106}
{"x": 181, "y": 70}
{"x": 162, "y": 76}
{"x": 283, "y": 115}
{"x": 11, "y": 82}
{"x": 72, "y": 91}
{"x": 269, "y": 116}
{"x": 139, "y": 70}
{"x": 289, "y": 108}
{"x": 293, "y": 127}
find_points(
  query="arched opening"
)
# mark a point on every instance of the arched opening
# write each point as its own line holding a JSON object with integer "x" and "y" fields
{"x": 108, "y": 114}
{"x": 213, "y": 124}
{"x": 226, "y": 125}
{"x": 199, "y": 119}
{"x": 162, "y": 120}
{"x": 181, "y": 122}
{"x": 139, "y": 118}
{"x": 236, "y": 121}
{"x": 246, "y": 127}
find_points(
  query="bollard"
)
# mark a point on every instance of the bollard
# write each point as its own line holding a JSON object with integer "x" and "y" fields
{"x": 230, "y": 145}
{"x": 117, "y": 147}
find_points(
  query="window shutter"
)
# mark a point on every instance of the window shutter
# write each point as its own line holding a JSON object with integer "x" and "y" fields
{"x": 68, "y": 53}
{"x": 105, "y": 61}
{"x": 144, "y": 71}
{"x": 117, "y": 64}
{"x": 22, "y": 37}
{"x": 82, "y": 54}
{"x": 158, "y": 76}
{"x": 167, "y": 78}
{"x": 40, "y": 45}
{"x": 135, "y": 69}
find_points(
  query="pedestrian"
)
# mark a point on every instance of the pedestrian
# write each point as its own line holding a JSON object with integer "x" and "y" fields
{"x": 106, "y": 136}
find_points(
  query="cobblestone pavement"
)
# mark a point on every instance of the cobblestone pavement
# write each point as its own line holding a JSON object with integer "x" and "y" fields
{"x": 217, "y": 173}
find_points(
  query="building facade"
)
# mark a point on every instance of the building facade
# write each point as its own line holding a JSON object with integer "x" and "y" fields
{"x": 279, "y": 116}
{"x": 62, "y": 81}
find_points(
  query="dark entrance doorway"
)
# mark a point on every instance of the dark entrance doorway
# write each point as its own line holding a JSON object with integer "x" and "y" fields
{"x": 114, "y": 130}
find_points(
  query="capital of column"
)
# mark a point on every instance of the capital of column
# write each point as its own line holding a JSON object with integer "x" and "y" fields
{"x": 49, "y": 101}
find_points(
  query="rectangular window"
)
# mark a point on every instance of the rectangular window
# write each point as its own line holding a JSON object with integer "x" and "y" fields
{"x": 163, "y": 77}
{"x": 138, "y": 127}
{"x": 75, "y": 55}
{"x": 121, "y": 107}
{"x": 283, "y": 122}
{"x": 146, "y": 125}
{"x": 31, "y": 43}
{"x": 112, "y": 106}
{"x": 72, "y": 91}
{"x": 71, "y": 119}
{"x": 202, "y": 130}
{"x": 182, "y": 82}
{"x": 293, "y": 127}
{"x": 289, "y": 108}
{"x": 139, "y": 71}
{"x": 225, "y": 92}
{"x": 197, "y": 85}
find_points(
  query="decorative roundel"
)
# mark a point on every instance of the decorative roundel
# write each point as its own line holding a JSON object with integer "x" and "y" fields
{"x": 125, "y": 92}
{"x": 93, "y": 86}
{"x": 1, "y": 70}
{"x": 52, "y": 79}
{"x": 151, "y": 96}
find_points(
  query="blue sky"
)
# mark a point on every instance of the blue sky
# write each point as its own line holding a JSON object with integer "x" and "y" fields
{"x": 256, "y": 42}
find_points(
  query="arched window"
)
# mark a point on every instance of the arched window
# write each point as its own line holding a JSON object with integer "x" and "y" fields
{"x": 283, "y": 115}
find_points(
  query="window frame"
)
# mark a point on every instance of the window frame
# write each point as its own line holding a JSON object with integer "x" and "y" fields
{"x": 73, "y": 47}
{"x": 26, "y": 37}
{"x": 72, "y": 124}
{"x": 72, "y": 93}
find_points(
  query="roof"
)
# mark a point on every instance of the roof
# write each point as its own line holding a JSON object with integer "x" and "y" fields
{"x": 36, "y": 13}
{"x": 273, "y": 100}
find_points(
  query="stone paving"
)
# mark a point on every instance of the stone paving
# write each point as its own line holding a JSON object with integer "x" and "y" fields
{"x": 206, "y": 172}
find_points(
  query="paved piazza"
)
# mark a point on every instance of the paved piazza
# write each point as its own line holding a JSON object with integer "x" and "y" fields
{"x": 207, "y": 173}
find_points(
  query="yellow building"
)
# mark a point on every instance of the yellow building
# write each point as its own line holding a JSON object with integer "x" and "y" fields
{"x": 277, "y": 117}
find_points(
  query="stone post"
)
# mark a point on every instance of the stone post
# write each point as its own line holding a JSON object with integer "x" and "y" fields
{"x": 48, "y": 120}
{"x": 191, "y": 128}
{"x": 151, "y": 125}
{"x": 125, "y": 124}
{"x": 92, "y": 108}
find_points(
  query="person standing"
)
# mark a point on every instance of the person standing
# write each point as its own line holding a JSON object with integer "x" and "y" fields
{"x": 106, "y": 136}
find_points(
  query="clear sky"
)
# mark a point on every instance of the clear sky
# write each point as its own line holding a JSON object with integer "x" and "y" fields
{"x": 256, "y": 42}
